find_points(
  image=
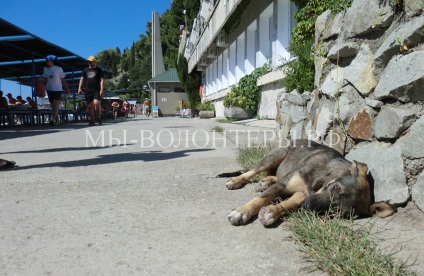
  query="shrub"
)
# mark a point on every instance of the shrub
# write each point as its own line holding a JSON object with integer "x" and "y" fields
{"x": 246, "y": 94}
{"x": 300, "y": 72}
{"x": 206, "y": 105}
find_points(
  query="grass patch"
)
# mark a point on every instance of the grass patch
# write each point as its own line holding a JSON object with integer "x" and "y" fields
{"x": 248, "y": 157}
{"x": 218, "y": 129}
{"x": 337, "y": 247}
{"x": 226, "y": 121}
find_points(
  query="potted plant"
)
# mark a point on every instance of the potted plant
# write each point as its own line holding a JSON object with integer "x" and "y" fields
{"x": 206, "y": 109}
{"x": 243, "y": 99}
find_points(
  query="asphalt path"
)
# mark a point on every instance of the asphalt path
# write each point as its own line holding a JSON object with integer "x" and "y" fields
{"x": 136, "y": 196}
{"x": 140, "y": 197}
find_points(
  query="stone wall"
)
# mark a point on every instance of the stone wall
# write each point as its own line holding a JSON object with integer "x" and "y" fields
{"x": 369, "y": 99}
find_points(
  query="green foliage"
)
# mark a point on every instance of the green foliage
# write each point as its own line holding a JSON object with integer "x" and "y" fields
{"x": 170, "y": 22}
{"x": 246, "y": 94}
{"x": 190, "y": 82}
{"x": 134, "y": 63}
{"x": 300, "y": 72}
{"x": 123, "y": 82}
{"x": 110, "y": 59}
{"x": 206, "y": 105}
{"x": 307, "y": 15}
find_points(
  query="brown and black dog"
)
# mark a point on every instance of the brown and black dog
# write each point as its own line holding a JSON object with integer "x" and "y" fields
{"x": 308, "y": 175}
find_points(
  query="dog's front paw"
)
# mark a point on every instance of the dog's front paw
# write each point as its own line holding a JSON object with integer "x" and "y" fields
{"x": 239, "y": 216}
{"x": 235, "y": 183}
{"x": 266, "y": 216}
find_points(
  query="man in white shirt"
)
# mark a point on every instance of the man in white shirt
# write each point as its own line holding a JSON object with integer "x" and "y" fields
{"x": 55, "y": 79}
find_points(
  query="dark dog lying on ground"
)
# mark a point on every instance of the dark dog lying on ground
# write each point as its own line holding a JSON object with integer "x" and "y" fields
{"x": 307, "y": 175}
{"x": 5, "y": 164}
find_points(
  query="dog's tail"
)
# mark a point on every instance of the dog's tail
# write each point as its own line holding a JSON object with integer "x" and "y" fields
{"x": 231, "y": 174}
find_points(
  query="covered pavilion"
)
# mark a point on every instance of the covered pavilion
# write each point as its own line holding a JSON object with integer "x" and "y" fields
{"x": 22, "y": 58}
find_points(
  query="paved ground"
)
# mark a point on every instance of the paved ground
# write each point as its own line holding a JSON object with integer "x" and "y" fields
{"x": 140, "y": 197}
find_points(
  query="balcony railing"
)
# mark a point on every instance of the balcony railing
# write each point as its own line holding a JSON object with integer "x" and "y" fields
{"x": 223, "y": 10}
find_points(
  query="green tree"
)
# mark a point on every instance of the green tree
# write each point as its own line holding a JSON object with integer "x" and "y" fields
{"x": 190, "y": 82}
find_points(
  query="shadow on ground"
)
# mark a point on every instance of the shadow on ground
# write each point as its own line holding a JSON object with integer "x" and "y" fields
{"x": 149, "y": 156}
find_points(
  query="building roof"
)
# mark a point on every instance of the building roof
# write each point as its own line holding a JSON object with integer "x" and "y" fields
{"x": 169, "y": 75}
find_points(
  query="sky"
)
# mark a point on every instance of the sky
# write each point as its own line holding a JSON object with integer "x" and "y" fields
{"x": 82, "y": 27}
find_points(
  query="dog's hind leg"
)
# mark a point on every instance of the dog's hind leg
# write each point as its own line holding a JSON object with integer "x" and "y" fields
{"x": 268, "y": 163}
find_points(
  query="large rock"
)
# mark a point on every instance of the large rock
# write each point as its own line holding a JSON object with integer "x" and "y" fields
{"x": 386, "y": 166}
{"x": 348, "y": 49}
{"x": 367, "y": 16}
{"x": 321, "y": 23}
{"x": 403, "y": 79}
{"x": 410, "y": 33}
{"x": 391, "y": 122}
{"x": 335, "y": 27}
{"x": 360, "y": 73}
{"x": 325, "y": 118}
{"x": 350, "y": 103}
{"x": 413, "y": 7}
{"x": 333, "y": 82}
{"x": 418, "y": 191}
{"x": 361, "y": 126}
{"x": 412, "y": 145}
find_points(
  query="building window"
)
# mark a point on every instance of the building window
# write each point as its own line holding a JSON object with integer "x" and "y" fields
{"x": 179, "y": 90}
{"x": 164, "y": 89}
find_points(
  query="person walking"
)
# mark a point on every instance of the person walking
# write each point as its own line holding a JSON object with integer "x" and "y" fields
{"x": 126, "y": 108}
{"x": 55, "y": 78}
{"x": 146, "y": 107}
{"x": 115, "y": 108}
{"x": 134, "y": 110}
{"x": 93, "y": 78}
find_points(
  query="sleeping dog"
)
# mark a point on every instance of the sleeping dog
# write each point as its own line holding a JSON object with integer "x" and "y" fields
{"x": 309, "y": 175}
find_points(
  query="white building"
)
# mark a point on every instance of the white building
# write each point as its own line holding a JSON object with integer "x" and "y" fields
{"x": 230, "y": 38}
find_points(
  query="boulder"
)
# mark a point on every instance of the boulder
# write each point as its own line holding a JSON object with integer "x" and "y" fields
{"x": 412, "y": 145}
{"x": 413, "y": 7}
{"x": 411, "y": 33}
{"x": 333, "y": 82}
{"x": 391, "y": 122}
{"x": 350, "y": 103}
{"x": 360, "y": 73}
{"x": 361, "y": 126}
{"x": 417, "y": 192}
{"x": 403, "y": 79}
{"x": 348, "y": 49}
{"x": 366, "y": 16}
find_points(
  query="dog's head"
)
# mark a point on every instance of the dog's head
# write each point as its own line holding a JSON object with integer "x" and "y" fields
{"x": 350, "y": 193}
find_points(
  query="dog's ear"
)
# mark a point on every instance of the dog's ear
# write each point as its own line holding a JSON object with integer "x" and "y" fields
{"x": 358, "y": 169}
{"x": 383, "y": 209}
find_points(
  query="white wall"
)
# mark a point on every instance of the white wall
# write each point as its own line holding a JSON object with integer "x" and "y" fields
{"x": 265, "y": 38}
{"x": 241, "y": 45}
